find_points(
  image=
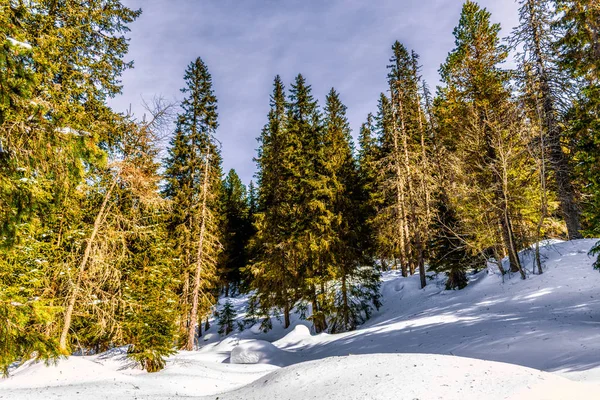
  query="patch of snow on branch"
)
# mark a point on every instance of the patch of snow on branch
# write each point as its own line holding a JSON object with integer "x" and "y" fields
{"x": 17, "y": 43}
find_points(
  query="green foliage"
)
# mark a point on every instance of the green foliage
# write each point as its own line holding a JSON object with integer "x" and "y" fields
{"x": 595, "y": 251}
{"x": 27, "y": 312}
{"x": 312, "y": 237}
{"x": 481, "y": 131}
{"x": 448, "y": 249}
{"x": 193, "y": 185}
{"x": 226, "y": 318}
{"x": 237, "y": 233}
{"x": 578, "y": 51}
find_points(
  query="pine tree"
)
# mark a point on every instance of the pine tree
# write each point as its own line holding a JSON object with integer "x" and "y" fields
{"x": 578, "y": 49}
{"x": 66, "y": 78}
{"x": 448, "y": 249}
{"x": 148, "y": 303}
{"x": 579, "y": 44}
{"x": 475, "y": 111}
{"x": 387, "y": 222}
{"x": 274, "y": 268}
{"x": 193, "y": 176}
{"x": 236, "y": 234}
{"x": 226, "y": 318}
{"x": 404, "y": 209}
{"x": 312, "y": 232}
{"x": 355, "y": 284}
{"x": 544, "y": 86}
{"x": 57, "y": 80}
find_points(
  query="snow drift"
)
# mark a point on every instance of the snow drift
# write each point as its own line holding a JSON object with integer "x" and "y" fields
{"x": 409, "y": 376}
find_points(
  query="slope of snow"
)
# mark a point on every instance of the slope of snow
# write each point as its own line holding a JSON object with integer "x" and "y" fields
{"x": 409, "y": 376}
{"x": 549, "y": 322}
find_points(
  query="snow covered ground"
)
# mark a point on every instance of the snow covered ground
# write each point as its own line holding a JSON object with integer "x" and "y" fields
{"x": 413, "y": 347}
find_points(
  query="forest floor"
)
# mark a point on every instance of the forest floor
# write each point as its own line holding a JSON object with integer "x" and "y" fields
{"x": 496, "y": 339}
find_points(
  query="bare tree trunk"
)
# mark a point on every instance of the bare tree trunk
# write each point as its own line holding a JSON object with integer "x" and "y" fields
{"x": 425, "y": 189}
{"x": 345, "y": 314}
{"x": 316, "y": 314}
{"x": 509, "y": 242}
{"x": 411, "y": 222}
{"x": 62, "y": 344}
{"x": 498, "y": 258}
{"x": 185, "y": 322}
{"x": 400, "y": 200}
{"x": 199, "y": 259}
{"x": 404, "y": 249}
{"x": 543, "y": 201}
{"x": 286, "y": 316}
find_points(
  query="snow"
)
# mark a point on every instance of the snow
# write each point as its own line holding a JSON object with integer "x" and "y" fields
{"x": 17, "y": 43}
{"x": 260, "y": 351}
{"x": 407, "y": 376}
{"x": 491, "y": 340}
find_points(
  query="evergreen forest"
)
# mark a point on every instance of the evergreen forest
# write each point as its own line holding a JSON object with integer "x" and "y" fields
{"x": 119, "y": 229}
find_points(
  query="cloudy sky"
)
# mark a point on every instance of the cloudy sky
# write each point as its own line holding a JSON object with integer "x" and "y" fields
{"x": 245, "y": 43}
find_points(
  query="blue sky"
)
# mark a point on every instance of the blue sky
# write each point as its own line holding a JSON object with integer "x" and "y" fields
{"x": 245, "y": 43}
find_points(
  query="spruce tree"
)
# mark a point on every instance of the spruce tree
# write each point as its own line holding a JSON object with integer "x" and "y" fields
{"x": 355, "y": 285}
{"x": 236, "y": 234}
{"x": 403, "y": 213}
{"x": 544, "y": 83}
{"x": 475, "y": 114}
{"x": 274, "y": 266}
{"x": 578, "y": 49}
{"x": 449, "y": 251}
{"x": 55, "y": 127}
{"x": 149, "y": 302}
{"x": 193, "y": 184}
{"x": 312, "y": 232}
{"x": 226, "y": 318}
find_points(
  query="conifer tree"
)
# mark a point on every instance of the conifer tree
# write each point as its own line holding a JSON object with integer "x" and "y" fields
{"x": 388, "y": 220}
{"x": 236, "y": 233}
{"x": 544, "y": 86}
{"x": 356, "y": 282}
{"x": 274, "y": 267}
{"x": 226, "y": 318}
{"x": 193, "y": 183}
{"x": 73, "y": 55}
{"x": 475, "y": 113}
{"x": 448, "y": 249}
{"x": 369, "y": 181}
{"x": 312, "y": 233}
{"x": 578, "y": 49}
{"x": 405, "y": 208}
{"x": 54, "y": 126}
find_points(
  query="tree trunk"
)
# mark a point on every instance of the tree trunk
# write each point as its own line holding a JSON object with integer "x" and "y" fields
{"x": 543, "y": 205}
{"x": 400, "y": 198}
{"x": 62, "y": 344}
{"x": 345, "y": 314}
{"x": 286, "y": 316}
{"x": 199, "y": 259}
{"x": 509, "y": 243}
{"x": 422, "y": 269}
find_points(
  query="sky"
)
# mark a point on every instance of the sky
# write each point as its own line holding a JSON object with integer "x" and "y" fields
{"x": 344, "y": 44}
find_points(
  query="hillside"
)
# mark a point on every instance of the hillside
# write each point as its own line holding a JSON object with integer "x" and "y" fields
{"x": 548, "y": 322}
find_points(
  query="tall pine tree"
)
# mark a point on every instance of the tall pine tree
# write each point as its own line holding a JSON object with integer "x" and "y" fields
{"x": 193, "y": 183}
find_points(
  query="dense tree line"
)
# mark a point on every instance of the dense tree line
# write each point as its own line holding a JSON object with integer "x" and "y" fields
{"x": 104, "y": 244}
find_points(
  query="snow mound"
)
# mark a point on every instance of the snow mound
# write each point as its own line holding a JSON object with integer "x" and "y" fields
{"x": 299, "y": 334}
{"x": 260, "y": 352}
{"x": 410, "y": 376}
{"x": 63, "y": 372}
